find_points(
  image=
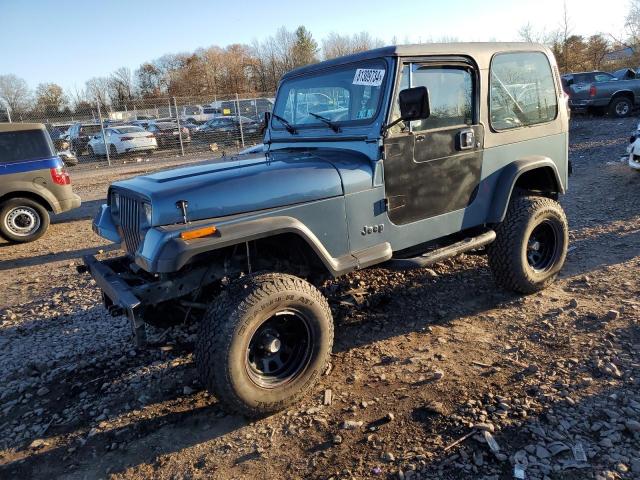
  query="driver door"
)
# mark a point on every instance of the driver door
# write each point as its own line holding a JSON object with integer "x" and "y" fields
{"x": 432, "y": 166}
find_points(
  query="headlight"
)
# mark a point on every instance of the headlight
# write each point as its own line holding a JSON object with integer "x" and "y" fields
{"x": 147, "y": 212}
{"x": 115, "y": 201}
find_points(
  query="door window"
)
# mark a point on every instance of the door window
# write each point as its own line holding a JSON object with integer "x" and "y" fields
{"x": 450, "y": 96}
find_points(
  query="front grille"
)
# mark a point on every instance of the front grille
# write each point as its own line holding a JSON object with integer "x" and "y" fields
{"x": 130, "y": 222}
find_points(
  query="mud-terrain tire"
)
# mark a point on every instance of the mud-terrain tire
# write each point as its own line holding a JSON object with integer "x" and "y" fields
{"x": 23, "y": 220}
{"x": 620, "y": 107}
{"x": 264, "y": 342}
{"x": 531, "y": 244}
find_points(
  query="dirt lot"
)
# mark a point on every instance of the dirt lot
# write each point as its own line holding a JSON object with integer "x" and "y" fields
{"x": 422, "y": 360}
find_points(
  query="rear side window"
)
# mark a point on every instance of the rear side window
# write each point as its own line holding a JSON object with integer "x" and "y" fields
{"x": 25, "y": 145}
{"x": 522, "y": 91}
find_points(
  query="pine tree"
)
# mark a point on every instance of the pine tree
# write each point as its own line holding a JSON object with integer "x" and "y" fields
{"x": 305, "y": 48}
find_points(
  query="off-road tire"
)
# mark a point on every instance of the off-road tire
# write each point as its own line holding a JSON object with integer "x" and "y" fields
{"x": 32, "y": 208}
{"x": 507, "y": 255}
{"x": 620, "y": 107}
{"x": 234, "y": 318}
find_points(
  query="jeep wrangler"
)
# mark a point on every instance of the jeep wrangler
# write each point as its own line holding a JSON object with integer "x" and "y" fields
{"x": 397, "y": 157}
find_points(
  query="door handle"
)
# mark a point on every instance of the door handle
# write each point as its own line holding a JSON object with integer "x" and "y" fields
{"x": 466, "y": 139}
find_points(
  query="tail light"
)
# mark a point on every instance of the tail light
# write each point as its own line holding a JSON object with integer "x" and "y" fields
{"x": 125, "y": 139}
{"x": 592, "y": 91}
{"x": 185, "y": 130}
{"x": 60, "y": 176}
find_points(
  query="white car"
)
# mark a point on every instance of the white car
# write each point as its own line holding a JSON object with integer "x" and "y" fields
{"x": 122, "y": 139}
{"x": 633, "y": 150}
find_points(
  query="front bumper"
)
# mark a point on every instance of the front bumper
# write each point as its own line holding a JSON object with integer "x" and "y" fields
{"x": 117, "y": 295}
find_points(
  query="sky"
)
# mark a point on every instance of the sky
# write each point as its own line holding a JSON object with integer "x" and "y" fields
{"x": 69, "y": 41}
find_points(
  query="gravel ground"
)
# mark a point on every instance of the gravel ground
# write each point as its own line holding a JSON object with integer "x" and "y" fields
{"x": 435, "y": 373}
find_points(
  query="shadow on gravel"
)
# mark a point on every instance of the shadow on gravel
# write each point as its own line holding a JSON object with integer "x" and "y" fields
{"x": 420, "y": 300}
{"x": 54, "y": 257}
{"x": 88, "y": 209}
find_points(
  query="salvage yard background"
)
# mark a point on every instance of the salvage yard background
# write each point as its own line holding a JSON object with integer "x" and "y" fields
{"x": 422, "y": 360}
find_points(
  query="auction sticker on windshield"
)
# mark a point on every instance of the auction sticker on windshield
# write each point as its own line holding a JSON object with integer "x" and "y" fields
{"x": 368, "y": 76}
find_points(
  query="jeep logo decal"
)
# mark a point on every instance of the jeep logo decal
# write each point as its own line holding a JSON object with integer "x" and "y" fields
{"x": 367, "y": 229}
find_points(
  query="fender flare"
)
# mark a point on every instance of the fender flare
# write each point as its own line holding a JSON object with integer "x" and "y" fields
{"x": 623, "y": 93}
{"x": 508, "y": 178}
{"x": 26, "y": 189}
{"x": 176, "y": 252}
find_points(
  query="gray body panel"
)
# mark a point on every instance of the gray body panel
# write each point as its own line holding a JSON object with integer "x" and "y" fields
{"x": 330, "y": 188}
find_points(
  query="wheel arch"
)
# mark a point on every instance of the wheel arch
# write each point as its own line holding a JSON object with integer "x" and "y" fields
{"x": 30, "y": 195}
{"x": 535, "y": 174}
{"x": 623, "y": 93}
{"x": 177, "y": 253}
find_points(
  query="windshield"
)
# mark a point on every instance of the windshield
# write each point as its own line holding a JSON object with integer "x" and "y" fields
{"x": 347, "y": 95}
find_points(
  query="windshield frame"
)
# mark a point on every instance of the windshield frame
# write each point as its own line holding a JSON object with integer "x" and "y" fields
{"x": 381, "y": 62}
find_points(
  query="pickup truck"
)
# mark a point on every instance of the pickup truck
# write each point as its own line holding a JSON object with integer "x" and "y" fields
{"x": 603, "y": 92}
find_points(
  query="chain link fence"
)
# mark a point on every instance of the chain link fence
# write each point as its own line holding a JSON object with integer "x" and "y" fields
{"x": 103, "y": 134}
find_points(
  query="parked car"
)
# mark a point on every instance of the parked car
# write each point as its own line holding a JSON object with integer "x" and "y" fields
{"x": 141, "y": 123}
{"x": 433, "y": 157}
{"x": 602, "y": 92}
{"x": 253, "y": 108}
{"x": 122, "y": 139}
{"x": 626, "y": 74}
{"x": 33, "y": 182}
{"x": 61, "y": 144}
{"x": 167, "y": 134}
{"x": 226, "y": 130}
{"x": 79, "y": 135}
{"x": 633, "y": 150}
{"x": 198, "y": 113}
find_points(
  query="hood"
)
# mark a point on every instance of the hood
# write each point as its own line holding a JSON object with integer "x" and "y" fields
{"x": 239, "y": 186}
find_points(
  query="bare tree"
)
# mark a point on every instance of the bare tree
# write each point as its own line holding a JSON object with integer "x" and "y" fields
{"x": 98, "y": 90}
{"x": 565, "y": 33}
{"x": 336, "y": 45}
{"x": 15, "y": 92}
{"x": 632, "y": 22}
{"x": 121, "y": 85}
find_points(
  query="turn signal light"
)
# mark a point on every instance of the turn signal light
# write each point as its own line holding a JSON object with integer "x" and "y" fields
{"x": 198, "y": 233}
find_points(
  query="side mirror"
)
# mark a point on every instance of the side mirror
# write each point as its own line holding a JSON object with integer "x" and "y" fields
{"x": 265, "y": 124}
{"x": 414, "y": 104}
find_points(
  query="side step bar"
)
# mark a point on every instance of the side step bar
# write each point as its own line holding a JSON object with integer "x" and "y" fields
{"x": 443, "y": 253}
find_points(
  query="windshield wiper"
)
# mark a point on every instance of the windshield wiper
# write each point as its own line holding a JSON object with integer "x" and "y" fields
{"x": 290, "y": 128}
{"x": 333, "y": 126}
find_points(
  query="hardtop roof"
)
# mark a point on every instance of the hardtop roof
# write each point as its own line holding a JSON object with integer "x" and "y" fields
{"x": 19, "y": 127}
{"x": 481, "y": 52}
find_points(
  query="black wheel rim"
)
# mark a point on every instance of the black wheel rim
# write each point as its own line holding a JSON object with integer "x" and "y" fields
{"x": 279, "y": 350}
{"x": 543, "y": 246}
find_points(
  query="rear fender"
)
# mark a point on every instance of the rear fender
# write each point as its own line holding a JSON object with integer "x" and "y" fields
{"x": 548, "y": 181}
